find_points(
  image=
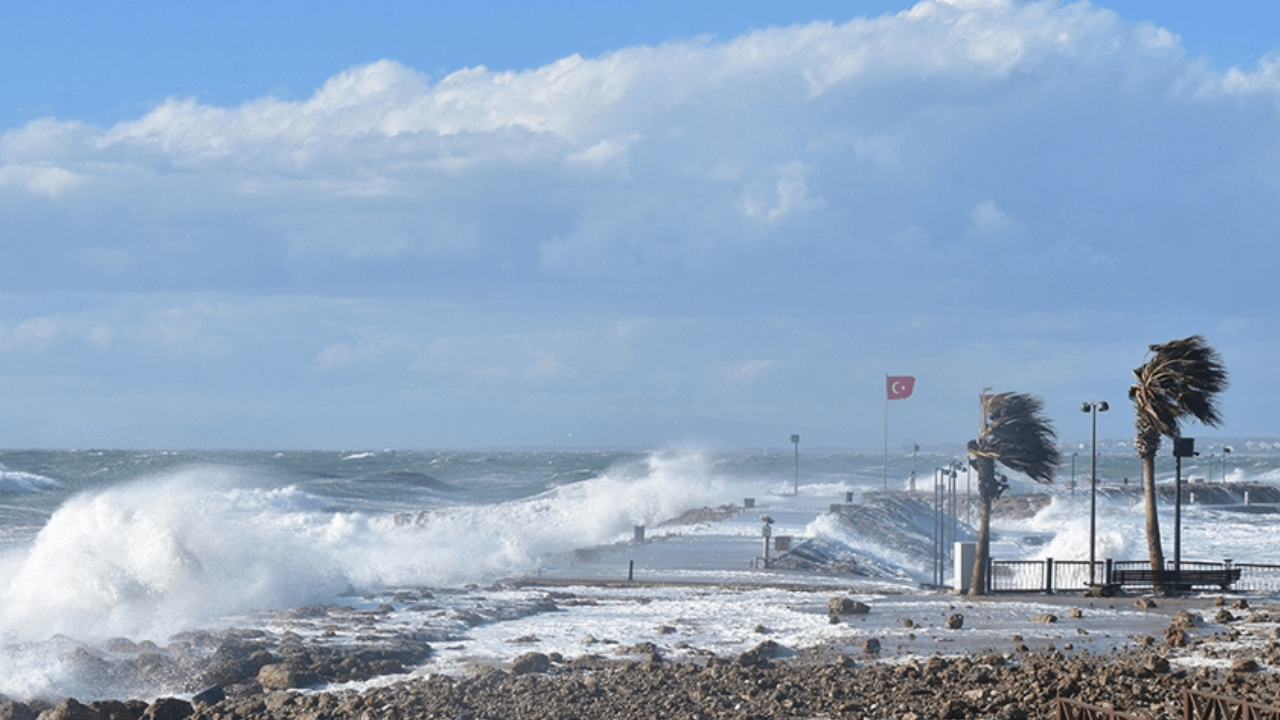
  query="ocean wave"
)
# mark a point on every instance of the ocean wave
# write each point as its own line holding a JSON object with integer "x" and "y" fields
{"x": 19, "y": 481}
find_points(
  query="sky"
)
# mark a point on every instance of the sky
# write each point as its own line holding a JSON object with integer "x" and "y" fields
{"x": 538, "y": 224}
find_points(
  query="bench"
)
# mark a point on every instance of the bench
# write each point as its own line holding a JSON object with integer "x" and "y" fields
{"x": 1223, "y": 578}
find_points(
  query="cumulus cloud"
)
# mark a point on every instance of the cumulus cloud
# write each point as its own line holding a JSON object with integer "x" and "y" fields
{"x": 40, "y": 334}
{"x": 895, "y": 142}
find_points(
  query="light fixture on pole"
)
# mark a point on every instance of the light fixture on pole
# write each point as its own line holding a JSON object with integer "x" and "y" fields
{"x": 795, "y": 440}
{"x": 1094, "y": 408}
{"x": 1225, "y": 450}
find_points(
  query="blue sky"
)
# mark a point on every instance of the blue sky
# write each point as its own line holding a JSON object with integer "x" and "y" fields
{"x": 566, "y": 224}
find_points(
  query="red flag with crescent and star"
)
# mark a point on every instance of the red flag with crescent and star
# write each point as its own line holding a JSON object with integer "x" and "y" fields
{"x": 899, "y": 386}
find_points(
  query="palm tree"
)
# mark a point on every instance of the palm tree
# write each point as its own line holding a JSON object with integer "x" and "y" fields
{"x": 1181, "y": 378}
{"x": 1015, "y": 433}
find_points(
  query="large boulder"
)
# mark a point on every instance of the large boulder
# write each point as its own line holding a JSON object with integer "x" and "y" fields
{"x": 534, "y": 662}
{"x": 168, "y": 708}
{"x": 10, "y": 710}
{"x": 283, "y": 676}
{"x": 71, "y": 709}
{"x": 846, "y": 606}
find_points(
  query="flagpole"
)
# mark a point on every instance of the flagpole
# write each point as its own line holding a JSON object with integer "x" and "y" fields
{"x": 886, "y": 435}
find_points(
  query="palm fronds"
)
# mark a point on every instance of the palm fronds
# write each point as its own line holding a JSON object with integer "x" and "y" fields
{"x": 1017, "y": 435}
{"x": 1181, "y": 379}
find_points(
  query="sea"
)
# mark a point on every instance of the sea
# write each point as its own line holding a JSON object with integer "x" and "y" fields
{"x": 97, "y": 546}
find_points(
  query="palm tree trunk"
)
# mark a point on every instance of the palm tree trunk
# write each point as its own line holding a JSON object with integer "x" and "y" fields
{"x": 982, "y": 554}
{"x": 1154, "y": 552}
{"x": 988, "y": 491}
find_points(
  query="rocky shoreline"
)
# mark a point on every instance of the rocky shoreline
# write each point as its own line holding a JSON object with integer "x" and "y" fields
{"x": 1208, "y": 647}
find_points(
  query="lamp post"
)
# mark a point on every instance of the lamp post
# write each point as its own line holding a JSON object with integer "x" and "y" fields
{"x": 1094, "y": 408}
{"x": 1182, "y": 447}
{"x": 1225, "y": 450}
{"x": 795, "y": 440}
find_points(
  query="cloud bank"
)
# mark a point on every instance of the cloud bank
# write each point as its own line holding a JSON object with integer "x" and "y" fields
{"x": 961, "y": 159}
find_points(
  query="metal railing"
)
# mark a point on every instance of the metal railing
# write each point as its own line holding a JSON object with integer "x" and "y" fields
{"x": 1050, "y": 576}
{"x": 1198, "y": 705}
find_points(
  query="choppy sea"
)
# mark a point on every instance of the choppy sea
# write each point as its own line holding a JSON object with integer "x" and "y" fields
{"x": 146, "y": 545}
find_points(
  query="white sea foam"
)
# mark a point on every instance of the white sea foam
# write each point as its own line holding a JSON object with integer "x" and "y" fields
{"x": 157, "y": 556}
{"x": 18, "y": 481}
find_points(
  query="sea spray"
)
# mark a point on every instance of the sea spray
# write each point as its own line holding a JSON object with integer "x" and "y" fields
{"x": 157, "y": 556}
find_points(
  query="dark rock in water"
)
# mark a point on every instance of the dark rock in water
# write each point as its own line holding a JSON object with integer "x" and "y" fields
{"x": 168, "y": 708}
{"x": 71, "y": 709}
{"x": 847, "y": 606}
{"x": 761, "y": 655}
{"x": 114, "y": 709}
{"x": 1175, "y": 636}
{"x": 534, "y": 662}
{"x": 10, "y": 710}
{"x": 1244, "y": 665}
{"x": 1224, "y": 616}
{"x": 211, "y": 696}
{"x": 1157, "y": 664}
{"x": 1144, "y": 603}
{"x": 871, "y": 646}
{"x": 1045, "y": 618}
{"x": 954, "y": 621}
{"x": 284, "y": 676}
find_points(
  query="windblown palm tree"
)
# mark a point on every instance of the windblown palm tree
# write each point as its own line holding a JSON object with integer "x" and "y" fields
{"x": 1181, "y": 379}
{"x": 1016, "y": 434}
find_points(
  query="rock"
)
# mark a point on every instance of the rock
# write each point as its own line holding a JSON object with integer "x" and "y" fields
{"x": 534, "y": 662}
{"x": 71, "y": 709}
{"x": 210, "y": 696}
{"x": 1175, "y": 637}
{"x": 954, "y": 621}
{"x": 1240, "y": 604}
{"x": 115, "y": 710}
{"x": 847, "y": 606}
{"x": 168, "y": 708}
{"x": 1075, "y": 613}
{"x": 283, "y": 676}
{"x": 871, "y": 646}
{"x": 1184, "y": 620}
{"x": 1144, "y": 603}
{"x": 1156, "y": 664}
{"x": 1045, "y": 618}
{"x": 1224, "y": 616}
{"x": 10, "y": 710}
{"x": 1100, "y": 591}
{"x": 1244, "y": 665}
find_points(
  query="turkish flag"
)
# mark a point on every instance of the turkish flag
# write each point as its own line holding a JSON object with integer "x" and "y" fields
{"x": 900, "y": 386}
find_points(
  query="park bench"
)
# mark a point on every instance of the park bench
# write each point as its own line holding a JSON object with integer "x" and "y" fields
{"x": 1222, "y": 578}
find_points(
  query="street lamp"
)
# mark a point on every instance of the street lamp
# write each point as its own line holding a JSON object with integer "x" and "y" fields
{"x": 1225, "y": 450}
{"x": 795, "y": 440}
{"x": 1094, "y": 407}
{"x": 1182, "y": 447}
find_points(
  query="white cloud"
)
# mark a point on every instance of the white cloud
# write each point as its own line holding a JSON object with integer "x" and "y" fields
{"x": 789, "y": 192}
{"x": 40, "y": 334}
{"x": 51, "y": 182}
{"x": 749, "y": 370}
{"x": 990, "y": 227}
{"x": 195, "y": 330}
{"x": 970, "y": 123}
